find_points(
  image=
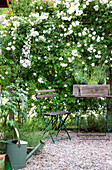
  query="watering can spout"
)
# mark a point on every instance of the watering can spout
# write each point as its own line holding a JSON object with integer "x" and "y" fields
{"x": 31, "y": 153}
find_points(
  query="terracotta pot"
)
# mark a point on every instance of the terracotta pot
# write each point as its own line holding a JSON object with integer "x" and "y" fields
{"x": 2, "y": 162}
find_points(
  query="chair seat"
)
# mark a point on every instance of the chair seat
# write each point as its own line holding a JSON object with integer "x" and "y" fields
{"x": 56, "y": 113}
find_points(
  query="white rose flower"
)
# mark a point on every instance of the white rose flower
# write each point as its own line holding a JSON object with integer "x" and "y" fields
{"x": 68, "y": 44}
{"x": 8, "y": 48}
{"x": 40, "y": 80}
{"x": 93, "y": 64}
{"x": 61, "y": 58}
{"x": 94, "y": 50}
{"x": 16, "y": 24}
{"x": 93, "y": 38}
{"x": 69, "y": 60}
{"x": 94, "y": 33}
{"x": 9, "y": 43}
{"x": 79, "y": 34}
{"x": 85, "y": 69}
{"x": 89, "y": 58}
{"x": 98, "y": 39}
{"x": 13, "y": 48}
{"x": 96, "y": 7}
{"x": 63, "y": 64}
{"x": 99, "y": 52}
{"x": 102, "y": 38}
{"x": 44, "y": 107}
{"x": 106, "y": 61}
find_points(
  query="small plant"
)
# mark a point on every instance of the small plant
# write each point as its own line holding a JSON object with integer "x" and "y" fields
{"x": 13, "y": 103}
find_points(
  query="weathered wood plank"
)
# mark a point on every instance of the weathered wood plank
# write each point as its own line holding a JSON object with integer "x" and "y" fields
{"x": 46, "y": 95}
{"x": 44, "y": 91}
{"x": 91, "y": 90}
{"x": 76, "y": 90}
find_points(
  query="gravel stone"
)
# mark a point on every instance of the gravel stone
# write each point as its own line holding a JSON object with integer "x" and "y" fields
{"x": 72, "y": 155}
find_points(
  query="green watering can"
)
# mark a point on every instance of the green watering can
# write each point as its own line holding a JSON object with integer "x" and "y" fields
{"x": 17, "y": 151}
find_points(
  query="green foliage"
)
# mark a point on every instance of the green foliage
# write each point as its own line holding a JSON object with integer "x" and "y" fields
{"x": 53, "y": 44}
{"x": 13, "y": 100}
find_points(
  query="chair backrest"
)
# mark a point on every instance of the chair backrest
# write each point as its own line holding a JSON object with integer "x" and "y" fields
{"x": 47, "y": 93}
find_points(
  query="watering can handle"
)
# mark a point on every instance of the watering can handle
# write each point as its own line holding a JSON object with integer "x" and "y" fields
{"x": 17, "y": 133}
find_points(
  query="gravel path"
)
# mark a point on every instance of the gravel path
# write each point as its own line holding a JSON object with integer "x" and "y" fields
{"x": 72, "y": 155}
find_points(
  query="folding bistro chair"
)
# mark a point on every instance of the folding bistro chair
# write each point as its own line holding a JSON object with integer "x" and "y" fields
{"x": 52, "y": 115}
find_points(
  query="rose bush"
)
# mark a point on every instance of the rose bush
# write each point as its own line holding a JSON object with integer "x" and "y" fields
{"x": 55, "y": 44}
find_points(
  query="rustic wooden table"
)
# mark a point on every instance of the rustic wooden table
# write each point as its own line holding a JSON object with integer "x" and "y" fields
{"x": 92, "y": 91}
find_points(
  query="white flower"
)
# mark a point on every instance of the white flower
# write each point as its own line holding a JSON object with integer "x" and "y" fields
{"x": 106, "y": 61}
{"x": 33, "y": 33}
{"x": 44, "y": 16}
{"x": 34, "y": 74}
{"x": 44, "y": 107}
{"x": 98, "y": 39}
{"x": 76, "y": 23}
{"x": 65, "y": 95}
{"x": 84, "y": 33}
{"x": 89, "y": 58}
{"x": 93, "y": 64}
{"x": 85, "y": 44}
{"x": 99, "y": 52}
{"x": 8, "y": 48}
{"x": 36, "y": 39}
{"x": 79, "y": 44}
{"x": 96, "y": 7}
{"x": 85, "y": 69}
{"x": 94, "y": 33}
{"x": 13, "y": 48}
{"x": 35, "y": 15}
{"x": 69, "y": 59}
{"x": 16, "y": 24}
{"x": 94, "y": 50}
{"x": 83, "y": 62}
{"x": 40, "y": 80}
{"x": 42, "y": 38}
{"x": 89, "y": 35}
{"x": 102, "y": 38}
{"x": 63, "y": 64}
{"x": 79, "y": 34}
{"x": 74, "y": 52}
{"x": 104, "y": 2}
{"x": 97, "y": 56}
{"x": 93, "y": 38}
{"x": 61, "y": 58}
{"x": 68, "y": 44}
{"x": 65, "y": 85}
{"x": 79, "y": 12}
{"x": 9, "y": 43}
{"x": 84, "y": 6}
{"x": 71, "y": 10}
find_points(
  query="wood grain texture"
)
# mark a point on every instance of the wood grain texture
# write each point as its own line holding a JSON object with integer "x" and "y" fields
{"x": 91, "y": 90}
